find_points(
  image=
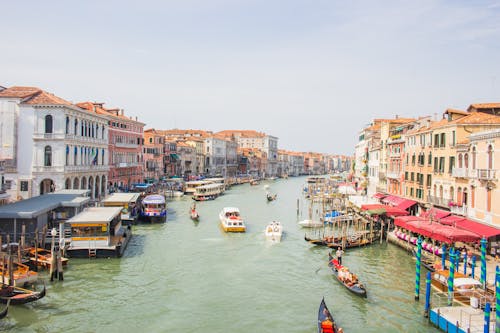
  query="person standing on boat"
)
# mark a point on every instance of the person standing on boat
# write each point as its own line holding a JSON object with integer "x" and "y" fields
{"x": 339, "y": 254}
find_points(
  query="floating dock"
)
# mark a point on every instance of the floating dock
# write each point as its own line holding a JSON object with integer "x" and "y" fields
{"x": 462, "y": 319}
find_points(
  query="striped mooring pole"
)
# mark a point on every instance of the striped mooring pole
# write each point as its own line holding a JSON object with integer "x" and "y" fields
{"x": 465, "y": 263}
{"x": 473, "y": 265}
{"x": 497, "y": 300}
{"x": 487, "y": 309}
{"x": 443, "y": 256}
{"x": 417, "y": 268}
{"x": 427, "y": 294}
{"x": 483, "y": 262}
{"x": 451, "y": 277}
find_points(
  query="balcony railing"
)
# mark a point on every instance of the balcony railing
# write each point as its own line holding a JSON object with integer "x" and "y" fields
{"x": 486, "y": 174}
{"x": 394, "y": 174}
{"x": 49, "y": 136}
{"x": 78, "y": 168}
{"x": 126, "y": 145}
{"x": 459, "y": 210}
{"x": 462, "y": 173}
{"x": 439, "y": 201}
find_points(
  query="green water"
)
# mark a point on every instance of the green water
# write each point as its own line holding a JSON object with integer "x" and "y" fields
{"x": 192, "y": 277}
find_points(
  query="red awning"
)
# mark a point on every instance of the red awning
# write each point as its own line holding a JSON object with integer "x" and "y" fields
{"x": 379, "y": 195}
{"x": 436, "y": 213}
{"x": 385, "y": 209}
{"x": 372, "y": 206}
{"x": 393, "y": 200}
{"x": 441, "y": 232}
{"x": 402, "y": 221}
{"x": 480, "y": 229}
{"x": 406, "y": 203}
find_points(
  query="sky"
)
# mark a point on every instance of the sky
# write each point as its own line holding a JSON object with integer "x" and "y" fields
{"x": 311, "y": 72}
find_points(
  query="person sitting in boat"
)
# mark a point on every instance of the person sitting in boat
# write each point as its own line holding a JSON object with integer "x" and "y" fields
{"x": 327, "y": 326}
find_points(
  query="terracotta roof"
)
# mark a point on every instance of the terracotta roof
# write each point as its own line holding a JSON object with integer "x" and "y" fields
{"x": 33, "y": 96}
{"x": 456, "y": 111}
{"x": 485, "y": 106}
{"x": 242, "y": 133}
{"x": 185, "y": 132}
{"x": 478, "y": 118}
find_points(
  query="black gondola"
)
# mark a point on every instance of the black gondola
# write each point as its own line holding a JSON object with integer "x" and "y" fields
{"x": 354, "y": 286}
{"x": 4, "y": 311}
{"x": 17, "y": 295}
{"x": 429, "y": 264}
{"x": 325, "y": 318}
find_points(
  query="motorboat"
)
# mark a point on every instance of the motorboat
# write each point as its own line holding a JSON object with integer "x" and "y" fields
{"x": 274, "y": 231}
{"x": 231, "y": 220}
{"x": 310, "y": 224}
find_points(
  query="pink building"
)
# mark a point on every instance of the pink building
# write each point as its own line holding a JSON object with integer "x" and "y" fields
{"x": 125, "y": 146}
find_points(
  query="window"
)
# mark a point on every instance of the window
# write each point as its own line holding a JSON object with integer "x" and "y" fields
{"x": 443, "y": 140}
{"x": 490, "y": 157}
{"x": 436, "y": 167}
{"x": 48, "y": 123}
{"x": 436, "y": 140}
{"x": 441, "y": 164}
{"x": 452, "y": 164}
{"x": 429, "y": 161}
{"x": 24, "y": 185}
{"x": 67, "y": 125}
{"x": 474, "y": 154}
{"x": 47, "y": 156}
{"x": 453, "y": 138}
{"x": 413, "y": 159}
{"x": 466, "y": 160}
{"x": 429, "y": 180}
{"x": 460, "y": 158}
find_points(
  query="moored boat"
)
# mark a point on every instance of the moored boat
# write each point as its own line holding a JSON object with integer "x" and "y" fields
{"x": 17, "y": 295}
{"x": 21, "y": 274}
{"x": 231, "y": 220}
{"x": 274, "y": 231}
{"x": 346, "y": 278}
{"x": 154, "y": 208}
{"x": 42, "y": 257}
{"x": 208, "y": 192}
{"x": 326, "y": 323}
{"x": 271, "y": 197}
{"x": 310, "y": 224}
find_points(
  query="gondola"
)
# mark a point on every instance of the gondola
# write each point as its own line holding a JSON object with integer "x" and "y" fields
{"x": 325, "y": 318}
{"x": 355, "y": 286}
{"x": 17, "y": 295}
{"x": 271, "y": 197}
{"x": 4, "y": 311}
{"x": 427, "y": 263}
{"x": 320, "y": 241}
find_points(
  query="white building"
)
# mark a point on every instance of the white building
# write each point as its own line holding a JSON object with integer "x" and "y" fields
{"x": 49, "y": 144}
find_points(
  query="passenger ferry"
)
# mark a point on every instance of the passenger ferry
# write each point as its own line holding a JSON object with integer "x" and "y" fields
{"x": 192, "y": 185}
{"x": 129, "y": 203}
{"x": 231, "y": 220}
{"x": 154, "y": 208}
{"x": 98, "y": 232}
{"x": 208, "y": 192}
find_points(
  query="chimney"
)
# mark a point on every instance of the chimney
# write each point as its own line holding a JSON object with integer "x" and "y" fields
{"x": 397, "y": 116}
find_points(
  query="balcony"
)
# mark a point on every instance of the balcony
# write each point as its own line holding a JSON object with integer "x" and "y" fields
{"x": 462, "y": 173}
{"x": 438, "y": 201}
{"x": 486, "y": 174}
{"x": 459, "y": 210}
{"x": 394, "y": 174}
{"x": 126, "y": 145}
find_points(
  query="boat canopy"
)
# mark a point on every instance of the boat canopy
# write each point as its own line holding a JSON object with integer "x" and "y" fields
{"x": 154, "y": 199}
{"x": 459, "y": 282}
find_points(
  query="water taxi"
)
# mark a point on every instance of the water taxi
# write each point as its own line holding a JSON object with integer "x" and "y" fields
{"x": 231, "y": 220}
{"x": 274, "y": 231}
{"x": 98, "y": 232}
{"x": 208, "y": 192}
{"x": 129, "y": 202}
{"x": 154, "y": 208}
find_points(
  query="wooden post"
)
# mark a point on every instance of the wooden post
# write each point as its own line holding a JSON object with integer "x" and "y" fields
{"x": 381, "y": 231}
{"x": 36, "y": 250}
{"x": 298, "y": 207}
{"x": 44, "y": 235}
{"x": 59, "y": 265}
{"x": 11, "y": 272}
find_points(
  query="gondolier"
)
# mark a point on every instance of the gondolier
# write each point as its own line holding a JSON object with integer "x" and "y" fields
{"x": 339, "y": 254}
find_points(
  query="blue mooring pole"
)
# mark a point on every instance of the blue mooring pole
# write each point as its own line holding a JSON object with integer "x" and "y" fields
{"x": 465, "y": 263}
{"x": 497, "y": 300}
{"x": 443, "y": 256}
{"x": 473, "y": 265}
{"x": 417, "y": 269}
{"x": 427, "y": 294}
{"x": 451, "y": 277}
{"x": 483, "y": 262}
{"x": 487, "y": 310}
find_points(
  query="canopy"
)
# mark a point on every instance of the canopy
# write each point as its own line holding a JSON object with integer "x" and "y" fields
{"x": 436, "y": 213}
{"x": 406, "y": 203}
{"x": 393, "y": 200}
{"x": 379, "y": 195}
{"x": 437, "y": 231}
{"x": 480, "y": 229}
{"x": 402, "y": 221}
{"x": 379, "y": 209}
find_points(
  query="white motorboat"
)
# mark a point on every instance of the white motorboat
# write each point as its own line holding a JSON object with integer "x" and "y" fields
{"x": 274, "y": 231}
{"x": 310, "y": 224}
{"x": 231, "y": 220}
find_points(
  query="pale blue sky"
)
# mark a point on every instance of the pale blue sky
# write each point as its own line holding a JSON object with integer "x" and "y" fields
{"x": 312, "y": 73}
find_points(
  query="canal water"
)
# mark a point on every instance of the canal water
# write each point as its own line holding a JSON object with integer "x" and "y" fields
{"x": 183, "y": 276}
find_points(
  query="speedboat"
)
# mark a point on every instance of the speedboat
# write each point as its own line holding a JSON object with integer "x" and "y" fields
{"x": 274, "y": 231}
{"x": 310, "y": 224}
{"x": 231, "y": 221}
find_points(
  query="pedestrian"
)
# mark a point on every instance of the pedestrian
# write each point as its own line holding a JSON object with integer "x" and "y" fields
{"x": 339, "y": 255}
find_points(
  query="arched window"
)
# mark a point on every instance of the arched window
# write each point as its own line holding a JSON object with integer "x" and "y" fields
{"x": 67, "y": 125}
{"x": 429, "y": 161}
{"x": 466, "y": 160}
{"x": 47, "y": 156}
{"x": 67, "y": 155}
{"x": 490, "y": 157}
{"x": 97, "y": 131}
{"x": 452, "y": 193}
{"x": 460, "y": 157}
{"x": 474, "y": 154}
{"x": 76, "y": 128}
{"x": 75, "y": 160}
{"x": 48, "y": 123}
